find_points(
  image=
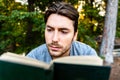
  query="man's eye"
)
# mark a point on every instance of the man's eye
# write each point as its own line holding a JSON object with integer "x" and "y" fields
{"x": 64, "y": 32}
{"x": 49, "y": 30}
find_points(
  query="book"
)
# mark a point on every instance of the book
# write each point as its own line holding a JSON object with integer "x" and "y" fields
{"x": 18, "y": 67}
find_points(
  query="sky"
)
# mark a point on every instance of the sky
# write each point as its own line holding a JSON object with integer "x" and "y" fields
{"x": 22, "y": 1}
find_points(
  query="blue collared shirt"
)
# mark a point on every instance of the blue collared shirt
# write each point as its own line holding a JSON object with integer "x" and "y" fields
{"x": 77, "y": 49}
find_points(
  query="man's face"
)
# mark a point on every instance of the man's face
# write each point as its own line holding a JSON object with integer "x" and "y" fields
{"x": 59, "y": 34}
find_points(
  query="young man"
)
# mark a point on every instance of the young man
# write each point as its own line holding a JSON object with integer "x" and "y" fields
{"x": 60, "y": 33}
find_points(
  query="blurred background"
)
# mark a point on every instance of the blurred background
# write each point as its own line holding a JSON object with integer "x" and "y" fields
{"x": 22, "y": 23}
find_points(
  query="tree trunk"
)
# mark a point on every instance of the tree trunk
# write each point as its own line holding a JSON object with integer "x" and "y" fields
{"x": 109, "y": 31}
{"x": 29, "y": 35}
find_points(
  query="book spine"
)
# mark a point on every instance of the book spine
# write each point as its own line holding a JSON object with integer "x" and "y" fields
{"x": 49, "y": 74}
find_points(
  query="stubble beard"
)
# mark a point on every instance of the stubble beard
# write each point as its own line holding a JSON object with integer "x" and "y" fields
{"x": 64, "y": 52}
{"x": 56, "y": 54}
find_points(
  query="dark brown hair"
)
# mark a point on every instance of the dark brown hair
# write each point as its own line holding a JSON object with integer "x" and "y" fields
{"x": 64, "y": 9}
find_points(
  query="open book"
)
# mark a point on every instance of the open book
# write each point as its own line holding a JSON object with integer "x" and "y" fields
{"x": 18, "y": 67}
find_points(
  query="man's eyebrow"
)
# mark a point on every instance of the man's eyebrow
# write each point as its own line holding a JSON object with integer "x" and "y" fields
{"x": 49, "y": 26}
{"x": 63, "y": 29}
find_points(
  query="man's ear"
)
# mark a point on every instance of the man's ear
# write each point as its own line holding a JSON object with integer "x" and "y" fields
{"x": 75, "y": 35}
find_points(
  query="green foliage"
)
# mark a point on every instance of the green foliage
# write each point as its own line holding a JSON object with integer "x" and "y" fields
{"x": 118, "y": 21}
{"x": 87, "y": 35}
{"x": 91, "y": 26}
{"x": 13, "y": 30}
{"x": 16, "y": 20}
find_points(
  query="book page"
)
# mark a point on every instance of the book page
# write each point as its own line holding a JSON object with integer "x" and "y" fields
{"x": 85, "y": 60}
{"x": 15, "y": 58}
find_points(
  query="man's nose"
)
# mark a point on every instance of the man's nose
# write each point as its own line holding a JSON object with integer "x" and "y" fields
{"x": 55, "y": 37}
